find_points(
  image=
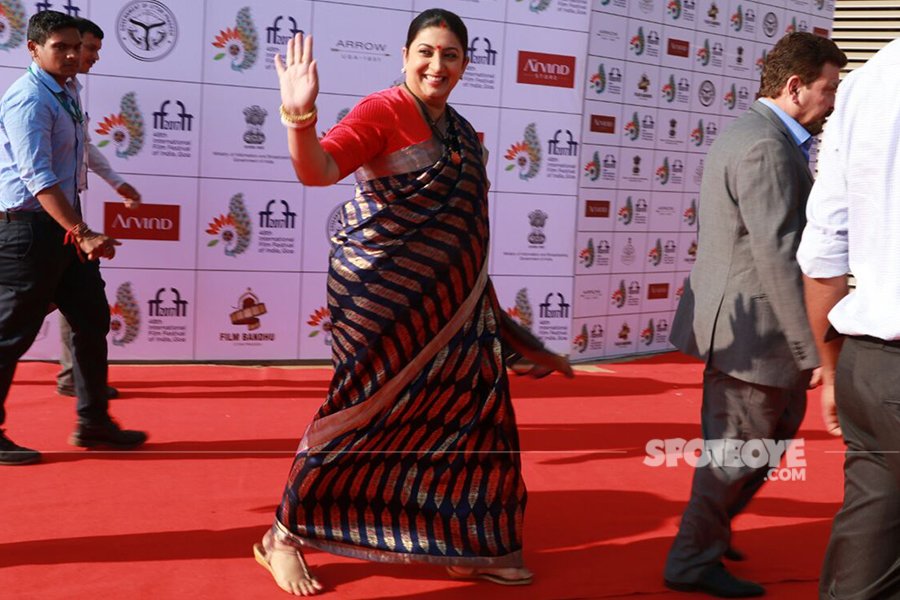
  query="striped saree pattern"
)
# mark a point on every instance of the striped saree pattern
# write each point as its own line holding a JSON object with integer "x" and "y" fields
{"x": 413, "y": 457}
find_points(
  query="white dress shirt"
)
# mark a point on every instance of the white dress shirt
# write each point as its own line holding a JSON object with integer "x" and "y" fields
{"x": 854, "y": 206}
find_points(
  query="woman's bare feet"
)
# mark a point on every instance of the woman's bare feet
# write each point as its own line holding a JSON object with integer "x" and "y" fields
{"x": 287, "y": 566}
{"x": 502, "y": 576}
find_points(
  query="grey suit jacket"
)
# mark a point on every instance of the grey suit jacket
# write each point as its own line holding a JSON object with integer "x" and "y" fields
{"x": 742, "y": 308}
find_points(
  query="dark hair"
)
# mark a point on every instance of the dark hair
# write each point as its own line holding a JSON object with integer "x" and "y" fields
{"x": 88, "y": 26}
{"x": 43, "y": 24}
{"x": 802, "y": 54}
{"x": 437, "y": 17}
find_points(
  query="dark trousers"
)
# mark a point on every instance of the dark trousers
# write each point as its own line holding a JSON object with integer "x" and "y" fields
{"x": 65, "y": 379}
{"x": 37, "y": 269}
{"x": 732, "y": 409}
{"x": 863, "y": 557}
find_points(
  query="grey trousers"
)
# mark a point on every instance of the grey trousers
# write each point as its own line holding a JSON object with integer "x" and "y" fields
{"x": 732, "y": 409}
{"x": 863, "y": 557}
{"x": 65, "y": 379}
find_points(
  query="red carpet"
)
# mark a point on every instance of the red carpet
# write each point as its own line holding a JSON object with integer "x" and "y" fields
{"x": 177, "y": 519}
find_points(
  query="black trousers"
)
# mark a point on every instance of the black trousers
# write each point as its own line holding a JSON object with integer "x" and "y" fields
{"x": 863, "y": 557}
{"x": 738, "y": 410}
{"x": 37, "y": 269}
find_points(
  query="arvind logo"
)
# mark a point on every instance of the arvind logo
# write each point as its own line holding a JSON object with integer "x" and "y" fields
{"x": 587, "y": 255}
{"x": 690, "y": 213}
{"x": 662, "y": 172}
{"x": 537, "y": 6}
{"x": 124, "y": 316}
{"x": 239, "y": 43}
{"x": 525, "y": 155}
{"x": 12, "y": 24}
{"x": 598, "y": 80}
{"x": 160, "y": 222}
{"x": 320, "y": 321}
{"x": 125, "y": 129}
{"x": 232, "y": 229}
{"x": 657, "y": 291}
{"x": 159, "y": 307}
{"x": 522, "y": 312}
{"x": 597, "y": 209}
{"x": 674, "y": 9}
{"x": 680, "y": 48}
{"x": 737, "y": 19}
{"x": 633, "y": 128}
{"x": 537, "y": 68}
{"x": 487, "y": 58}
{"x": 603, "y": 124}
{"x": 183, "y": 122}
{"x": 638, "y": 42}
{"x": 697, "y": 134}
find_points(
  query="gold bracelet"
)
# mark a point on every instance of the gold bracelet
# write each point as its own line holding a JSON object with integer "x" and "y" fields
{"x": 292, "y": 118}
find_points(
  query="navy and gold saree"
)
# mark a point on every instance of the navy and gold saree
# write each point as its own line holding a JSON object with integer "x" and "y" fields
{"x": 414, "y": 456}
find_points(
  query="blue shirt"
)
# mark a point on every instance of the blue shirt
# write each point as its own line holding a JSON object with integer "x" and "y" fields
{"x": 41, "y": 141}
{"x": 798, "y": 131}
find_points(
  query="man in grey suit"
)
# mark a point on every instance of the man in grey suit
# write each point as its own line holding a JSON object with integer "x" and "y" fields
{"x": 742, "y": 310}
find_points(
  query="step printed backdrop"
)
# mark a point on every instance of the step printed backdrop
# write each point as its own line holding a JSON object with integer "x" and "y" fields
{"x": 596, "y": 116}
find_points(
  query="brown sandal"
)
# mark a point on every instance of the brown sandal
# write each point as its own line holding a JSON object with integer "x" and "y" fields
{"x": 307, "y": 585}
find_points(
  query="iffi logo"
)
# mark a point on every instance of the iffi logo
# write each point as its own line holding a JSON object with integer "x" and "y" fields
{"x": 273, "y": 32}
{"x": 125, "y": 129}
{"x": 239, "y": 43}
{"x": 162, "y": 122}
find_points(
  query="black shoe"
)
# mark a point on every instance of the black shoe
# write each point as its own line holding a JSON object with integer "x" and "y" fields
{"x": 69, "y": 390}
{"x": 733, "y": 554}
{"x": 717, "y": 581}
{"x": 13, "y": 454}
{"x": 106, "y": 433}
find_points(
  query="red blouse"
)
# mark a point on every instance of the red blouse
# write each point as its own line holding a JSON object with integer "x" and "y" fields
{"x": 380, "y": 124}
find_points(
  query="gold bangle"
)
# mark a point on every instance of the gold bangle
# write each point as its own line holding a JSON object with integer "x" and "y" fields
{"x": 292, "y": 118}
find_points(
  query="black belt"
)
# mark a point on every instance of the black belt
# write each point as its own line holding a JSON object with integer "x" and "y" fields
{"x": 30, "y": 216}
{"x": 875, "y": 340}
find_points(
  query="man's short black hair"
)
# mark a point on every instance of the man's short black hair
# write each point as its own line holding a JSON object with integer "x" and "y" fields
{"x": 43, "y": 24}
{"x": 88, "y": 26}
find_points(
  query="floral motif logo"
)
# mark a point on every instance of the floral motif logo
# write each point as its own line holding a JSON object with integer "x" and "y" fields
{"x": 668, "y": 90}
{"x": 626, "y": 212}
{"x": 633, "y": 127}
{"x": 655, "y": 254}
{"x": 662, "y": 172}
{"x": 625, "y": 332}
{"x": 125, "y": 129}
{"x": 761, "y": 61}
{"x": 12, "y": 24}
{"x": 638, "y": 43}
{"x": 647, "y": 333}
{"x": 703, "y": 53}
{"x": 580, "y": 342}
{"x": 124, "y": 316}
{"x": 792, "y": 27}
{"x": 320, "y": 320}
{"x": 697, "y": 134}
{"x": 592, "y": 169}
{"x": 525, "y": 155}
{"x": 620, "y": 295}
{"x": 587, "y": 255}
{"x": 232, "y": 229}
{"x": 598, "y": 80}
{"x": 674, "y": 8}
{"x": 239, "y": 43}
{"x": 537, "y": 6}
{"x": 690, "y": 213}
{"x": 737, "y": 19}
{"x": 730, "y": 98}
{"x": 522, "y": 312}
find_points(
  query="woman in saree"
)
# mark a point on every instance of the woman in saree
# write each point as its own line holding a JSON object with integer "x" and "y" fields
{"x": 414, "y": 455}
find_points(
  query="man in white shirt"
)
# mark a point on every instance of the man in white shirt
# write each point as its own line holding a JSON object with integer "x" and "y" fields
{"x": 853, "y": 224}
{"x": 91, "y": 43}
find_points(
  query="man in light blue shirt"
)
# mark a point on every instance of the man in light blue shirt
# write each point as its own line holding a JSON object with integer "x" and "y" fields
{"x": 48, "y": 255}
